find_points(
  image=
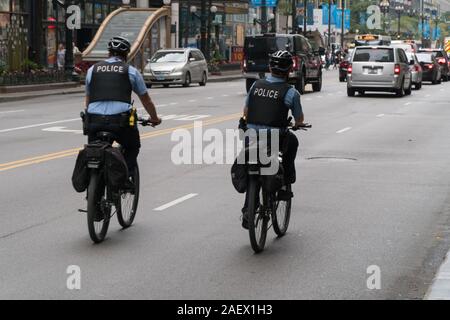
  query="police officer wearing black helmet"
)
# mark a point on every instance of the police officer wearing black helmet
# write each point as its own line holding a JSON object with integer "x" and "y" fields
{"x": 267, "y": 108}
{"x": 109, "y": 85}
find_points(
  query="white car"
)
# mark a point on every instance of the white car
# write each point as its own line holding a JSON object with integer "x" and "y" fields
{"x": 176, "y": 66}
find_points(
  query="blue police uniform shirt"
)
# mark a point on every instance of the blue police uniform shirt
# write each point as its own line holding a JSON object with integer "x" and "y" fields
{"x": 116, "y": 107}
{"x": 291, "y": 101}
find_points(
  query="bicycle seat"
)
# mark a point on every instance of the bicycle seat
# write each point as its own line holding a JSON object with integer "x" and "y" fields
{"x": 106, "y": 136}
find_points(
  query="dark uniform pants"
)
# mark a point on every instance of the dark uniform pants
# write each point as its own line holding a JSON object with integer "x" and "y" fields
{"x": 127, "y": 137}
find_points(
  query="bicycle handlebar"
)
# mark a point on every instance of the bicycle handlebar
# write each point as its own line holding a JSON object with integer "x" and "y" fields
{"x": 145, "y": 122}
{"x": 303, "y": 126}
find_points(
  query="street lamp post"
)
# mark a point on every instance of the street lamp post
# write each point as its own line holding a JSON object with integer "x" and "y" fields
{"x": 263, "y": 21}
{"x": 204, "y": 28}
{"x": 68, "y": 57}
{"x": 264, "y": 24}
{"x": 384, "y": 5}
{"x": 305, "y": 10}
{"x": 329, "y": 25}
{"x": 294, "y": 16}
{"x": 399, "y": 7}
{"x": 342, "y": 25}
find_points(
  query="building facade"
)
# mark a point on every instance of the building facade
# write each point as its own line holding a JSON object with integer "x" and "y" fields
{"x": 34, "y": 28}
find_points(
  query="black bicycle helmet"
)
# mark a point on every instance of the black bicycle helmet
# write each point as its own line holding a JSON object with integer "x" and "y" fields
{"x": 281, "y": 61}
{"x": 119, "y": 45}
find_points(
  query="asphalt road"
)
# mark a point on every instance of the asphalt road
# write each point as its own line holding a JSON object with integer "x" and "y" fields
{"x": 373, "y": 189}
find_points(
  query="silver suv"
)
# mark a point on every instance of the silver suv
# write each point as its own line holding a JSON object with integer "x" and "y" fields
{"x": 176, "y": 66}
{"x": 379, "y": 68}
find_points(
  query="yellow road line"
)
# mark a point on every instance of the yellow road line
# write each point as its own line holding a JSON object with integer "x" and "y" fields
{"x": 70, "y": 152}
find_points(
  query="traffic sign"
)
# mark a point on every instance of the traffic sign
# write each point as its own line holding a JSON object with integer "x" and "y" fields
{"x": 269, "y": 3}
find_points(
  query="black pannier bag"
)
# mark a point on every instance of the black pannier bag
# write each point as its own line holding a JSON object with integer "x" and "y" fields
{"x": 80, "y": 175}
{"x": 116, "y": 168}
{"x": 239, "y": 176}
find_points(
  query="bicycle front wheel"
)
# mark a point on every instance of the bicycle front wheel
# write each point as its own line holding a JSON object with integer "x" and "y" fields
{"x": 128, "y": 202}
{"x": 281, "y": 214}
{"x": 98, "y": 215}
{"x": 257, "y": 219}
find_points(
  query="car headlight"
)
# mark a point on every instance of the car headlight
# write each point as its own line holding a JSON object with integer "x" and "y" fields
{"x": 176, "y": 72}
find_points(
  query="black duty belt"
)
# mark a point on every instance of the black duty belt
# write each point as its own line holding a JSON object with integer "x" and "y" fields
{"x": 119, "y": 119}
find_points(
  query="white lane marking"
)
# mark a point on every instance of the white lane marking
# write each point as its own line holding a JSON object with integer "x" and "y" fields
{"x": 441, "y": 89}
{"x": 39, "y": 125}
{"x": 62, "y": 129}
{"x": 11, "y": 111}
{"x": 173, "y": 103}
{"x": 193, "y": 117}
{"x": 407, "y": 104}
{"x": 380, "y": 115}
{"x": 192, "y": 100}
{"x": 308, "y": 99}
{"x": 161, "y": 105}
{"x": 225, "y": 95}
{"x": 172, "y": 116}
{"x": 319, "y": 97}
{"x": 176, "y": 201}
{"x": 344, "y": 130}
{"x": 209, "y": 98}
{"x": 428, "y": 95}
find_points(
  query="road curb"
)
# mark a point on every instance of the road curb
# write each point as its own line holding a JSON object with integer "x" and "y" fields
{"x": 226, "y": 78}
{"x": 38, "y": 94}
{"x": 440, "y": 288}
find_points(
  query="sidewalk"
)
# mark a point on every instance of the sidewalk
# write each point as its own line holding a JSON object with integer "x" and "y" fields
{"x": 440, "y": 289}
{"x": 19, "y": 96}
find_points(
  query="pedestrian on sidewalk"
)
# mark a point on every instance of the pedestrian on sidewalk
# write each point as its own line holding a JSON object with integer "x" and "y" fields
{"x": 61, "y": 57}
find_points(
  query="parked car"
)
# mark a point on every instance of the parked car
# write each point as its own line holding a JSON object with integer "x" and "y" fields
{"x": 442, "y": 59}
{"x": 416, "y": 70}
{"x": 307, "y": 64}
{"x": 379, "y": 68}
{"x": 176, "y": 66}
{"x": 432, "y": 70}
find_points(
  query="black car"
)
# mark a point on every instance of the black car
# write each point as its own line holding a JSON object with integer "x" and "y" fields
{"x": 441, "y": 58}
{"x": 307, "y": 64}
{"x": 431, "y": 70}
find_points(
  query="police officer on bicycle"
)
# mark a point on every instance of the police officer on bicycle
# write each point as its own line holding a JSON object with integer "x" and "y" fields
{"x": 267, "y": 108}
{"x": 109, "y": 85}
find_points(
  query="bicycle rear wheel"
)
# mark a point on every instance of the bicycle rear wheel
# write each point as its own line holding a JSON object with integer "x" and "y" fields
{"x": 98, "y": 215}
{"x": 128, "y": 202}
{"x": 281, "y": 214}
{"x": 257, "y": 219}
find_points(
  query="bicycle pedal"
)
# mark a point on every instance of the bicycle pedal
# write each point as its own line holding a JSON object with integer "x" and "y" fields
{"x": 82, "y": 210}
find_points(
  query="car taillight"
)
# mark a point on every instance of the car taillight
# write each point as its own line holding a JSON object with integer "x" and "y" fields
{"x": 417, "y": 68}
{"x": 296, "y": 63}
{"x": 397, "y": 69}
{"x": 429, "y": 66}
{"x": 349, "y": 69}
{"x": 441, "y": 61}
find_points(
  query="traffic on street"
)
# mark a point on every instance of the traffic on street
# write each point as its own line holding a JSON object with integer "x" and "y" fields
{"x": 372, "y": 190}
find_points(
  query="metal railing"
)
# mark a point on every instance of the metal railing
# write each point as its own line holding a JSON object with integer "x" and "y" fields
{"x": 30, "y": 78}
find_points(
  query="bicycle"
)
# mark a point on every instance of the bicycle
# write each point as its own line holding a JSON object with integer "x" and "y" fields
{"x": 271, "y": 208}
{"x": 101, "y": 198}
